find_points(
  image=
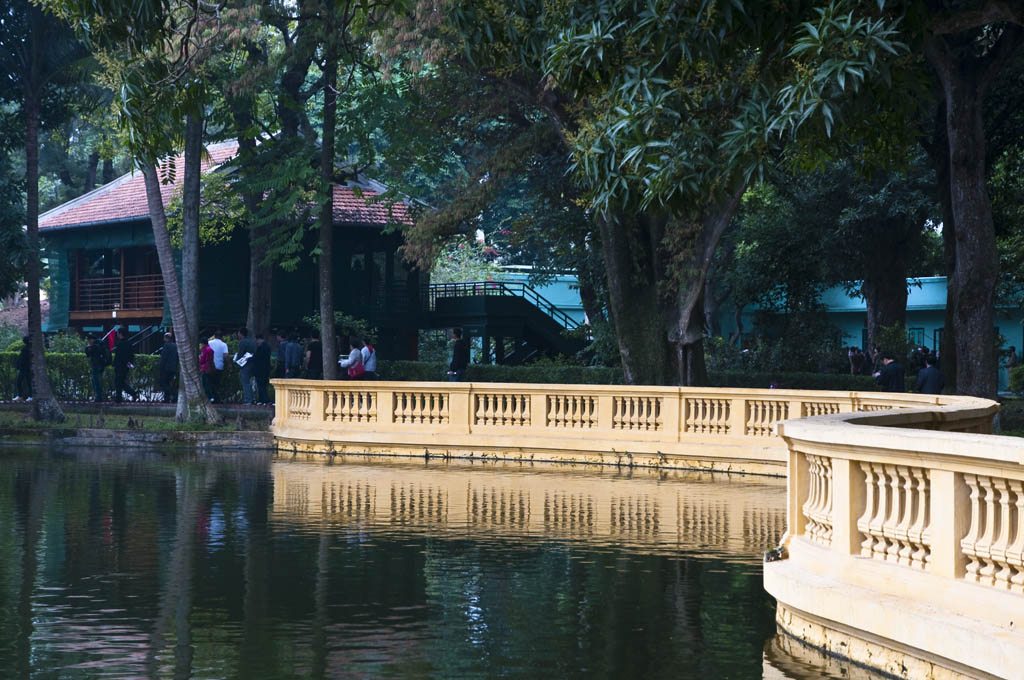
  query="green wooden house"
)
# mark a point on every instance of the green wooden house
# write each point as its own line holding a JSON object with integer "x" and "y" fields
{"x": 104, "y": 271}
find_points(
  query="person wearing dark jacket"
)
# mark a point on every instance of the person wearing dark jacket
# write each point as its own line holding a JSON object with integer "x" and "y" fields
{"x": 124, "y": 358}
{"x": 261, "y": 369}
{"x": 460, "y": 356}
{"x": 99, "y": 359}
{"x": 246, "y": 351}
{"x": 168, "y": 368}
{"x": 929, "y": 380}
{"x": 891, "y": 375}
{"x": 24, "y": 367}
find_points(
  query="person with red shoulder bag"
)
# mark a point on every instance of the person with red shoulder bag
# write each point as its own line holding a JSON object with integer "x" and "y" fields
{"x": 354, "y": 362}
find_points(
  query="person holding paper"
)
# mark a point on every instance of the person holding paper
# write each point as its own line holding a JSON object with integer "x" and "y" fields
{"x": 246, "y": 351}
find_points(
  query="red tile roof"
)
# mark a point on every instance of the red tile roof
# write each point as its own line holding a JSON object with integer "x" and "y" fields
{"x": 125, "y": 199}
{"x": 351, "y": 209}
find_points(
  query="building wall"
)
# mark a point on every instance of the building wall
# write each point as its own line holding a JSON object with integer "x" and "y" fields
{"x": 561, "y": 291}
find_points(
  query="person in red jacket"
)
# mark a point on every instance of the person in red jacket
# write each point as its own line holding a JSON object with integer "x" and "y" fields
{"x": 207, "y": 368}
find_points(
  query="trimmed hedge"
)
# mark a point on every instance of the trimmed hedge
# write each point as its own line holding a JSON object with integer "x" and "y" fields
{"x": 584, "y": 375}
{"x": 70, "y": 376}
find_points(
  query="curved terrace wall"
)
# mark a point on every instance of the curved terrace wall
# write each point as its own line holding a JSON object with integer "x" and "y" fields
{"x": 672, "y": 427}
{"x": 905, "y": 544}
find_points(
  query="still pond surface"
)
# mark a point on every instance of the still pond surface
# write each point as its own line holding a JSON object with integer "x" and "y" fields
{"x": 141, "y": 565}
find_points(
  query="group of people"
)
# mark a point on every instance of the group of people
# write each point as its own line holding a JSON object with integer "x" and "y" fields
{"x": 252, "y": 359}
{"x": 296, "y": 361}
{"x": 868, "y": 363}
{"x": 100, "y": 356}
{"x": 891, "y": 376}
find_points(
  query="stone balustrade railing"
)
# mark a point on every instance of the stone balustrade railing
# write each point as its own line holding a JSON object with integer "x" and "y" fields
{"x": 716, "y": 428}
{"x": 906, "y": 541}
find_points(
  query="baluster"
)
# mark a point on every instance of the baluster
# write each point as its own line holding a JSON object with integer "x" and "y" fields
{"x": 870, "y": 508}
{"x": 893, "y": 516}
{"x": 916, "y": 534}
{"x": 827, "y": 512}
{"x": 878, "y": 548}
{"x": 905, "y": 482}
{"x": 489, "y": 409}
{"x": 969, "y": 543}
{"x": 1015, "y": 551}
{"x": 404, "y": 408}
{"x": 812, "y": 495}
{"x": 986, "y": 574}
{"x": 1002, "y": 542}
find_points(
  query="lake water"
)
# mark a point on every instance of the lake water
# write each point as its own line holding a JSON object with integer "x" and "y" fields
{"x": 142, "y": 565}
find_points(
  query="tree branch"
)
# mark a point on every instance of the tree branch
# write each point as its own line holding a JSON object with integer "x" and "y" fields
{"x": 991, "y": 12}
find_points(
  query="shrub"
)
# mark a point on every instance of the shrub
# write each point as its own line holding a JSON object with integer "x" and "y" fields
{"x": 65, "y": 342}
{"x": 1017, "y": 379}
{"x": 71, "y": 377}
{"x": 10, "y": 337}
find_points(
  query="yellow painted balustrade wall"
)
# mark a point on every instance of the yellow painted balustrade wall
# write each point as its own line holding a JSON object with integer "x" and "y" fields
{"x": 906, "y": 541}
{"x": 709, "y": 428}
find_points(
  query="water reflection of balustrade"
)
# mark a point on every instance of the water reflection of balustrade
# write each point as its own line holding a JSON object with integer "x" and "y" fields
{"x": 688, "y": 511}
{"x": 915, "y": 508}
{"x": 642, "y": 425}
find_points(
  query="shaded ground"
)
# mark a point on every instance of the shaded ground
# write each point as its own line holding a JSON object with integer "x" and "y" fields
{"x": 142, "y": 418}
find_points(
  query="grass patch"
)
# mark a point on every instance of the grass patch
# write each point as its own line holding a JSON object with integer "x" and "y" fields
{"x": 15, "y": 420}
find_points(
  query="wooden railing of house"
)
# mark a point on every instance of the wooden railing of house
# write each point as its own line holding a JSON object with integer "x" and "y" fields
{"x": 144, "y": 291}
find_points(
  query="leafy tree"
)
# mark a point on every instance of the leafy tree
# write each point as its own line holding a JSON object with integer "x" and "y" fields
{"x": 963, "y": 47}
{"x": 668, "y": 110}
{"x": 40, "y": 79}
{"x": 153, "y": 54}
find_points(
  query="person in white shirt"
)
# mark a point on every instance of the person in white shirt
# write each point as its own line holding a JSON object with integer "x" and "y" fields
{"x": 354, "y": 362}
{"x": 220, "y": 348}
{"x": 369, "y": 360}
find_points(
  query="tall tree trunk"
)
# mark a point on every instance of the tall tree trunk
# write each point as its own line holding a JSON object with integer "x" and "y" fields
{"x": 108, "y": 170}
{"x": 590, "y": 282}
{"x": 687, "y": 330}
{"x": 964, "y": 78}
{"x": 326, "y": 261}
{"x": 885, "y": 286}
{"x": 261, "y": 272}
{"x": 947, "y": 348}
{"x": 938, "y": 151}
{"x": 192, "y": 399}
{"x": 261, "y": 277}
{"x": 661, "y": 336}
{"x": 90, "y": 170}
{"x": 190, "y": 226}
{"x": 633, "y": 302}
{"x": 44, "y": 405}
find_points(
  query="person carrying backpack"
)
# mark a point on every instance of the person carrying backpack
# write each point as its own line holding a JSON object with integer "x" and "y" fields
{"x": 24, "y": 366}
{"x": 99, "y": 359}
{"x": 124, "y": 358}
